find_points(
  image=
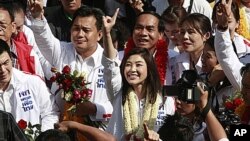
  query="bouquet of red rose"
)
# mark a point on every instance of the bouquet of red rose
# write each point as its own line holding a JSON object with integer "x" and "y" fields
{"x": 75, "y": 90}
{"x": 74, "y": 85}
{"x": 31, "y": 131}
{"x": 232, "y": 102}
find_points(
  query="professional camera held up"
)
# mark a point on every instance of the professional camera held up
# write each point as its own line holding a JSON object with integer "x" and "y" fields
{"x": 186, "y": 88}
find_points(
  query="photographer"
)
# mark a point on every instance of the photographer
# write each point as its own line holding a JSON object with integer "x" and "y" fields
{"x": 193, "y": 128}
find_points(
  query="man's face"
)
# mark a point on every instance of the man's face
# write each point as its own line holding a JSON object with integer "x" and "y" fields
{"x": 71, "y": 6}
{"x": 146, "y": 33}
{"x": 19, "y": 20}
{"x": 5, "y": 69}
{"x": 7, "y": 27}
{"x": 84, "y": 35}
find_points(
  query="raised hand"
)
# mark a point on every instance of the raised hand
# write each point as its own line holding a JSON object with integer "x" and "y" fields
{"x": 36, "y": 8}
{"x": 223, "y": 13}
{"x": 150, "y": 135}
{"x": 136, "y": 5}
{"x": 109, "y": 22}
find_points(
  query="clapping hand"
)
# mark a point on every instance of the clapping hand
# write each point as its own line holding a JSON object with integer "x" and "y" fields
{"x": 150, "y": 135}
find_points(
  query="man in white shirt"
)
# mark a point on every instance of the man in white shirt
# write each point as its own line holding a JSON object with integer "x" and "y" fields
{"x": 82, "y": 54}
{"x": 25, "y": 96}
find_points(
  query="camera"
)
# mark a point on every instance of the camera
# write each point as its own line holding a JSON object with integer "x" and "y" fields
{"x": 186, "y": 88}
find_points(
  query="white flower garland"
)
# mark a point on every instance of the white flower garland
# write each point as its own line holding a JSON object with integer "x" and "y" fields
{"x": 131, "y": 124}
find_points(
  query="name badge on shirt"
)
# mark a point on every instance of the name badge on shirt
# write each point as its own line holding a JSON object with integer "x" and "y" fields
{"x": 100, "y": 81}
{"x": 26, "y": 100}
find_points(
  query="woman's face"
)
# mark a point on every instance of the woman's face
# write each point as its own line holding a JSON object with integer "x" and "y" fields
{"x": 135, "y": 70}
{"x": 191, "y": 39}
{"x": 246, "y": 87}
{"x": 172, "y": 32}
{"x": 184, "y": 108}
{"x": 232, "y": 23}
{"x": 209, "y": 59}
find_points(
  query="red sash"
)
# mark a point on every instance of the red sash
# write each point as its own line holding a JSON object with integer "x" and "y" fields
{"x": 23, "y": 50}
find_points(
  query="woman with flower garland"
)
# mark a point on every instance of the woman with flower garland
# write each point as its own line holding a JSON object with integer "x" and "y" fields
{"x": 134, "y": 89}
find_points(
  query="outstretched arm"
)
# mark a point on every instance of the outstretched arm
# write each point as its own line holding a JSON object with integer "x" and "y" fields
{"x": 48, "y": 45}
{"x": 93, "y": 134}
{"x": 108, "y": 23}
{"x": 224, "y": 47}
{"x": 110, "y": 60}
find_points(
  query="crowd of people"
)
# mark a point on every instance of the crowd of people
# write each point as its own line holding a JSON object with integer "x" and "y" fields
{"x": 128, "y": 50}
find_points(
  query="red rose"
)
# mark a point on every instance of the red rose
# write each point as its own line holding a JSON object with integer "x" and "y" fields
{"x": 66, "y": 70}
{"x": 84, "y": 93}
{"x": 89, "y": 93}
{"x": 53, "y": 79}
{"x": 229, "y": 106}
{"x": 237, "y": 101}
{"x": 83, "y": 83}
{"x": 76, "y": 95}
{"x": 67, "y": 82}
{"x": 22, "y": 124}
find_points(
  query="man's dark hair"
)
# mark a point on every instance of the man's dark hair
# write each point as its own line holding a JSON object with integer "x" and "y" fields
{"x": 53, "y": 135}
{"x": 17, "y": 7}
{"x": 86, "y": 11}
{"x": 176, "y": 128}
{"x": 161, "y": 22}
{"x": 4, "y": 47}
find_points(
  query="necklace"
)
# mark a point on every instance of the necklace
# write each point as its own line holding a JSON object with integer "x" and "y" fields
{"x": 133, "y": 129}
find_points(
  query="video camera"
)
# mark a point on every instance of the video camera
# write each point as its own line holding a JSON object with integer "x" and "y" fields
{"x": 186, "y": 87}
